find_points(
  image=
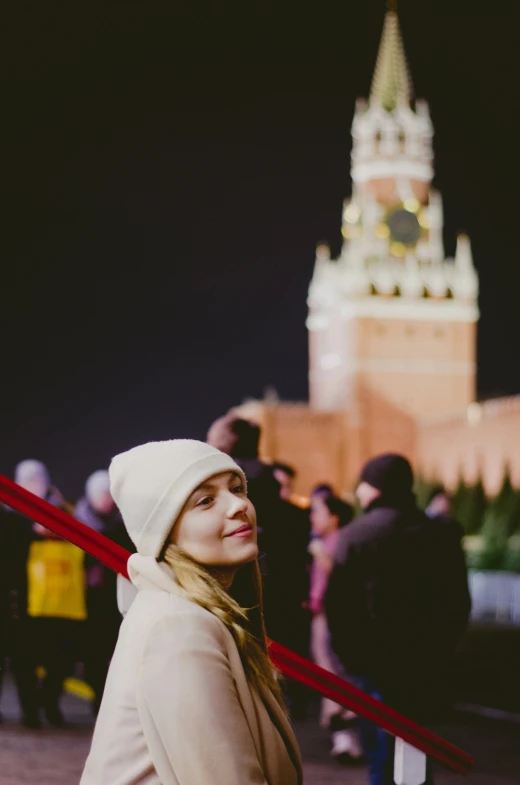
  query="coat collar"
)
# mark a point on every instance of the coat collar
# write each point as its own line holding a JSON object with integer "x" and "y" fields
{"x": 401, "y": 503}
{"x": 147, "y": 573}
{"x": 284, "y": 727}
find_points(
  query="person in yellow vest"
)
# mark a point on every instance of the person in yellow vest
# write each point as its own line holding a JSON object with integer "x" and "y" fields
{"x": 47, "y": 602}
{"x": 98, "y": 510}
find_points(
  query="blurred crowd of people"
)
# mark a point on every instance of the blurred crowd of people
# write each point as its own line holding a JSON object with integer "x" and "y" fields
{"x": 57, "y": 605}
{"x": 379, "y": 598}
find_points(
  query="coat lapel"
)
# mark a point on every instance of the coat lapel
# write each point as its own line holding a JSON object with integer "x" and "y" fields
{"x": 284, "y": 727}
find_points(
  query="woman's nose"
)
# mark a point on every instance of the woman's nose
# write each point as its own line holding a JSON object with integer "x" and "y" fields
{"x": 237, "y": 504}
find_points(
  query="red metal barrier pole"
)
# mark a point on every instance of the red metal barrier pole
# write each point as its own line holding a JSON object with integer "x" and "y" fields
{"x": 291, "y": 664}
{"x": 346, "y": 694}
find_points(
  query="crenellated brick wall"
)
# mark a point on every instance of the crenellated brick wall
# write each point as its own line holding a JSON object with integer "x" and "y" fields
{"x": 482, "y": 443}
{"x": 332, "y": 446}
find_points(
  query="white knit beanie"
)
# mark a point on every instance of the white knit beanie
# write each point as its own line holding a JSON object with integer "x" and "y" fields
{"x": 151, "y": 484}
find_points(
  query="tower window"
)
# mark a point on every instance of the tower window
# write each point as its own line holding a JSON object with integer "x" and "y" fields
{"x": 439, "y": 332}
{"x": 410, "y": 330}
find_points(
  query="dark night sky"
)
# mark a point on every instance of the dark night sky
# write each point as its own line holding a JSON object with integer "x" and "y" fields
{"x": 166, "y": 176}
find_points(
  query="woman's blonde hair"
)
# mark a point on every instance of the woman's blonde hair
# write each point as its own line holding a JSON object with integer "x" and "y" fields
{"x": 240, "y": 610}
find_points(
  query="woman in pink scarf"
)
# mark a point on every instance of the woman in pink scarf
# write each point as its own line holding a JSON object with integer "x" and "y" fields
{"x": 328, "y": 515}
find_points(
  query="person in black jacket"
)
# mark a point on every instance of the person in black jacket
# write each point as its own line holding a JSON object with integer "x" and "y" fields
{"x": 32, "y": 640}
{"x": 283, "y": 537}
{"x": 439, "y": 509}
{"x": 397, "y": 602}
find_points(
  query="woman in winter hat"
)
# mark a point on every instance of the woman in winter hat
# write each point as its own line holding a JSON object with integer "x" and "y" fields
{"x": 191, "y": 697}
{"x": 329, "y": 514}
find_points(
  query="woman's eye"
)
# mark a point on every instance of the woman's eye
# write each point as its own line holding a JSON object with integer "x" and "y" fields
{"x": 205, "y": 501}
{"x": 239, "y": 489}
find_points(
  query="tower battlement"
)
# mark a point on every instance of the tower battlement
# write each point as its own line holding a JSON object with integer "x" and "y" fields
{"x": 368, "y": 270}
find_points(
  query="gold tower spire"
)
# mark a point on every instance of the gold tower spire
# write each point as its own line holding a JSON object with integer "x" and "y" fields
{"x": 391, "y": 83}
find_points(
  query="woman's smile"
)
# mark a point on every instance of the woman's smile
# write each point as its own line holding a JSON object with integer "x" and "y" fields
{"x": 246, "y": 530}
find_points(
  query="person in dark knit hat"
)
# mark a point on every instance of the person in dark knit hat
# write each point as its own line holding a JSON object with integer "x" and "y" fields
{"x": 397, "y": 603}
{"x": 390, "y": 476}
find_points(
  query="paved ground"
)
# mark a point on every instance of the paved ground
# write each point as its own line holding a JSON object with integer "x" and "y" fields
{"x": 52, "y": 757}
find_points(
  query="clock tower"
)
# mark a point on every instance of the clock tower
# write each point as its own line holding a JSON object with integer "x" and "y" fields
{"x": 392, "y": 322}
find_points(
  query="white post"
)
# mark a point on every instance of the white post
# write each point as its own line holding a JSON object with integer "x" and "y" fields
{"x": 409, "y": 764}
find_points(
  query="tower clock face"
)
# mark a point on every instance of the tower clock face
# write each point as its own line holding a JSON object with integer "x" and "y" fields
{"x": 404, "y": 227}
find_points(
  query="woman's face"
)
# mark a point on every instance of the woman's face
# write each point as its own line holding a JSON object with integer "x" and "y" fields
{"x": 102, "y": 502}
{"x": 36, "y": 485}
{"x": 217, "y": 526}
{"x": 322, "y": 520}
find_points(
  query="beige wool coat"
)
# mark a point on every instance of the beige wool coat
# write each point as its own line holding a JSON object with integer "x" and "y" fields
{"x": 177, "y": 707}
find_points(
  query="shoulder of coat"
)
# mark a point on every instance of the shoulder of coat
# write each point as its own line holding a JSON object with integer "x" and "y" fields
{"x": 180, "y": 610}
{"x": 365, "y": 529}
